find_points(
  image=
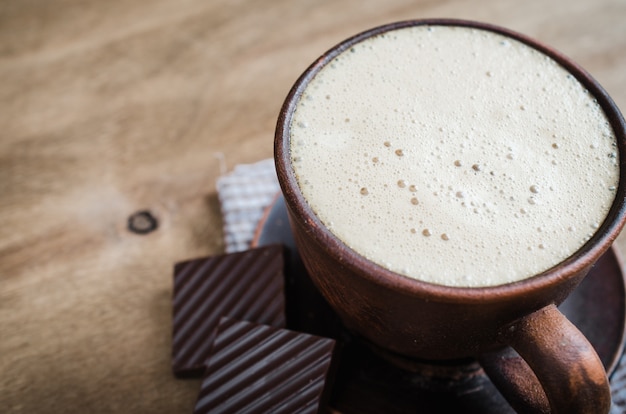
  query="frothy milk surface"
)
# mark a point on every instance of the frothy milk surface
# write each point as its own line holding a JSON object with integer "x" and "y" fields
{"x": 452, "y": 155}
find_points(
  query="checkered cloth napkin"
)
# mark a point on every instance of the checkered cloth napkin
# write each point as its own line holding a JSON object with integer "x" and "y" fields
{"x": 244, "y": 194}
{"x": 249, "y": 189}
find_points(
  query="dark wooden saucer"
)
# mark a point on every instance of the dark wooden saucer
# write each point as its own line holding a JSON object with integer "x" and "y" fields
{"x": 367, "y": 383}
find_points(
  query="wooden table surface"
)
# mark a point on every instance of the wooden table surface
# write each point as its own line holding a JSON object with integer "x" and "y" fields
{"x": 111, "y": 107}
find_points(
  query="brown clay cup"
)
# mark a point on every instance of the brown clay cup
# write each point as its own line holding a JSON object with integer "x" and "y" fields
{"x": 415, "y": 320}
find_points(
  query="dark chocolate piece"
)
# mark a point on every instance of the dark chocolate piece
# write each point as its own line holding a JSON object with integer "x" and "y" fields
{"x": 245, "y": 285}
{"x": 260, "y": 369}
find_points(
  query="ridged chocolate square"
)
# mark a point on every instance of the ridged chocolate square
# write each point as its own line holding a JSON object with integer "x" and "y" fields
{"x": 261, "y": 369}
{"x": 245, "y": 285}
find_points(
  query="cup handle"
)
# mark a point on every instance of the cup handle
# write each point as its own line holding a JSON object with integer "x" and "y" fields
{"x": 556, "y": 370}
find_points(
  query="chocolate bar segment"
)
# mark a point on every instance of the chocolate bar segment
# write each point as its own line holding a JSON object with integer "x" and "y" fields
{"x": 244, "y": 285}
{"x": 260, "y": 369}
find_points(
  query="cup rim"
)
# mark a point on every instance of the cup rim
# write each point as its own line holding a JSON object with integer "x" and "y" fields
{"x": 583, "y": 258}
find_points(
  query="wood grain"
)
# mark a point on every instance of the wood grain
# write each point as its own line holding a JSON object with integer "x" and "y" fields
{"x": 110, "y": 107}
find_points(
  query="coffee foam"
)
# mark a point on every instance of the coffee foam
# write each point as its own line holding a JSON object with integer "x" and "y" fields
{"x": 455, "y": 156}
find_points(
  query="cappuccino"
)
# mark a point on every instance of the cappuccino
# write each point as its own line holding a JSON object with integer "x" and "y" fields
{"x": 454, "y": 155}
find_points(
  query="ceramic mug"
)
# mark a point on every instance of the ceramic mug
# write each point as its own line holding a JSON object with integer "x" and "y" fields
{"x": 413, "y": 320}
